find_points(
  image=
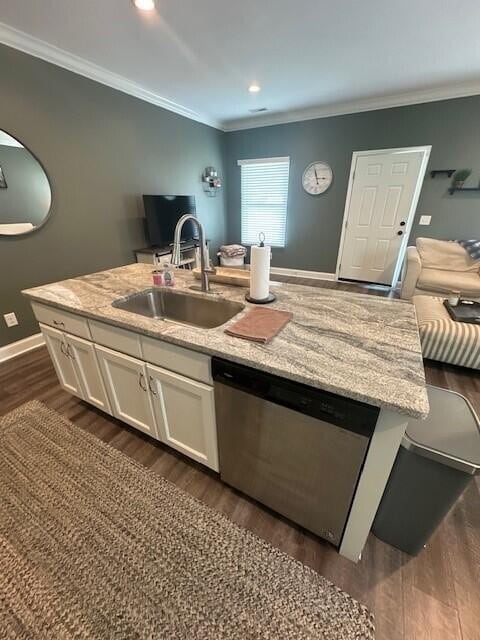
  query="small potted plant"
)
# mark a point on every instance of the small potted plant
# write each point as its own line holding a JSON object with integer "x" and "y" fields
{"x": 459, "y": 177}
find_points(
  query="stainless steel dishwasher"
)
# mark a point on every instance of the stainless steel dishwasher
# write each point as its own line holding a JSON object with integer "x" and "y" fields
{"x": 295, "y": 449}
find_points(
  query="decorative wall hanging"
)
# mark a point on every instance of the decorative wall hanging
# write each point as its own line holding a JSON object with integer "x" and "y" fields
{"x": 211, "y": 181}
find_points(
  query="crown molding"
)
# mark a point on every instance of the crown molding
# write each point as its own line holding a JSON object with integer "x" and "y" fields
{"x": 422, "y": 96}
{"x": 61, "y": 58}
{"x": 40, "y": 49}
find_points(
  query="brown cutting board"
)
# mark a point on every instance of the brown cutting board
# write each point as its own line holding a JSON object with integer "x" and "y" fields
{"x": 260, "y": 324}
{"x": 228, "y": 275}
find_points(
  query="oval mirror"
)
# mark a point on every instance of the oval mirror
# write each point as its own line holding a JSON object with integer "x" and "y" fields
{"x": 25, "y": 194}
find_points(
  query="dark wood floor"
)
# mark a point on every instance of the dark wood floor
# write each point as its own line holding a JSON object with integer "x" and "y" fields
{"x": 435, "y": 596}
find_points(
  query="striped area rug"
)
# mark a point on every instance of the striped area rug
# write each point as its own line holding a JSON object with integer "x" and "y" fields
{"x": 94, "y": 546}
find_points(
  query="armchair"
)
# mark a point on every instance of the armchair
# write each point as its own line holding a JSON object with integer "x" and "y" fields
{"x": 438, "y": 267}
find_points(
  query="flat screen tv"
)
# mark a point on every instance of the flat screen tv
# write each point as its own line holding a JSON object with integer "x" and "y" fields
{"x": 162, "y": 214}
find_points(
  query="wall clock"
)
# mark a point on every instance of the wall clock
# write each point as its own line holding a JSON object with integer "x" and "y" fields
{"x": 317, "y": 177}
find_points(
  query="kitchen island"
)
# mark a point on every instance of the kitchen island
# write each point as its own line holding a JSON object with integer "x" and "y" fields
{"x": 359, "y": 347}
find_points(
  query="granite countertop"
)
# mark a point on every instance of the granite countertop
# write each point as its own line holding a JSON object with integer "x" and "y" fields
{"x": 358, "y": 346}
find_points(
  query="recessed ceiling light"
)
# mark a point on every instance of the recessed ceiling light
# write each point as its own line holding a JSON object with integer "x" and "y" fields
{"x": 144, "y": 5}
{"x": 254, "y": 88}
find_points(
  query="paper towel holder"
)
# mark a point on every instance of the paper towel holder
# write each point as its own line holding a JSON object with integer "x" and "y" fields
{"x": 271, "y": 297}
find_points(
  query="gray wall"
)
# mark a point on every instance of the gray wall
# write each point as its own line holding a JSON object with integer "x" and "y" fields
{"x": 314, "y": 222}
{"x": 27, "y": 196}
{"x": 101, "y": 149}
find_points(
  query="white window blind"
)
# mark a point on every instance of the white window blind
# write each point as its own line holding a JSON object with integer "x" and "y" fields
{"x": 264, "y": 196}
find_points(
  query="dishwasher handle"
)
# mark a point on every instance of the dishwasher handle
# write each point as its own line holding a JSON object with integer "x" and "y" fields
{"x": 346, "y": 413}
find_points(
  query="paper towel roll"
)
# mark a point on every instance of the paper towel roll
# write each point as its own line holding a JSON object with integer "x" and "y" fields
{"x": 260, "y": 272}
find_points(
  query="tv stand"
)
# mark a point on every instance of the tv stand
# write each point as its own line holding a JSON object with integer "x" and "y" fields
{"x": 189, "y": 251}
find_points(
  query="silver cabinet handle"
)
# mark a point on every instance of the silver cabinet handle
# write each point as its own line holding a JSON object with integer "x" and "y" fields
{"x": 70, "y": 351}
{"x": 59, "y": 324}
{"x": 151, "y": 383}
{"x": 63, "y": 349}
{"x": 141, "y": 382}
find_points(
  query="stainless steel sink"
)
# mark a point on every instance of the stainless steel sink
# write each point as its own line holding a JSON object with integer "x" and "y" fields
{"x": 186, "y": 308}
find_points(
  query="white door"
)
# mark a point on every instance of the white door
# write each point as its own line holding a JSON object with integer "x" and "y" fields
{"x": 85, "y": 362}
{"x": 383, "y": 194}
{"x": 63, "y": 363}
{"x": 127, "y": 389}
{"x": 185, "y": 414}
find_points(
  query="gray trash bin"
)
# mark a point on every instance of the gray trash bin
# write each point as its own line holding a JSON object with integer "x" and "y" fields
{"x": 437, "y": 459}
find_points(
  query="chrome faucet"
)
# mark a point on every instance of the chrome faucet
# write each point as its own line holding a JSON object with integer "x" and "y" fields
{"x": 204, "y": 257}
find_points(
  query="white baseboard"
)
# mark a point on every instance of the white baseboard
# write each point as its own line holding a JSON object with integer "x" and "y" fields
{"x": 21, "y": 346}
{"x": 300, "y": 273}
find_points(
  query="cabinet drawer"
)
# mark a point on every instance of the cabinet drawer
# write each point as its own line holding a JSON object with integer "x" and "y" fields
{"x": 116, "y": 338}
{"x": 62, "y": 320}
{"x": 184, "y": 361}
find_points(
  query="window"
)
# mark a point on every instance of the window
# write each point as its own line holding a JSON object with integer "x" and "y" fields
{"x": 264, "y": 195}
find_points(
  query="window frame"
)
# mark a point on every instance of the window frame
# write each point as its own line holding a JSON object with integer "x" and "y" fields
{"x": 269, "y": 160}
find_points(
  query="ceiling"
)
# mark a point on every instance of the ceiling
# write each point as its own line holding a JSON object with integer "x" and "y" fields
{"x": 311, "y": 57}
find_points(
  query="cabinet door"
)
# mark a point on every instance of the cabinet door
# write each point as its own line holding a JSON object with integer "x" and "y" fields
{"x": 63, "y": 363}
{"x": 185, "y": 415}
{"x": 127, "y": 388}
{"x": 85, "y": 362}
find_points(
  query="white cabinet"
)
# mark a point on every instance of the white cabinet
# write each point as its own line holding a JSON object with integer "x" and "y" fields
{"x": 63, "y": 363}
{"x": 127, "y": 387}
{"x": 116, "y": 338}
{"x": 85, "y": 362}
{"x": 178, "y": 359}
{"x": 62, "y": 320}
{"x": 185, "y": 414}
{"x": 77, "y": 367}
{"x": 173, "y": 402}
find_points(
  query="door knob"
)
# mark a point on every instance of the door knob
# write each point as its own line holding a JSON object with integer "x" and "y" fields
{"x": 399, "y": 233}
{"x": 402, "y": 223}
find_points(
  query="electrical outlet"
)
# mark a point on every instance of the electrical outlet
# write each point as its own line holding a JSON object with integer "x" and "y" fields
{"x": 10, "y": 319}
{"x": 425, "y": 220}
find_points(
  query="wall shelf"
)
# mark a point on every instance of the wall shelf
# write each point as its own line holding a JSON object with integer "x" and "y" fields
{"x": 452, "y": 190}
{"x": 436, "y": 172}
